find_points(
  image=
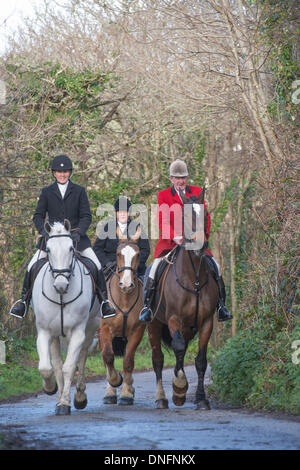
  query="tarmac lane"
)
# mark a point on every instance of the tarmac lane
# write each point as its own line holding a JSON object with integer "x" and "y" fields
{"x": 32, "y": 424}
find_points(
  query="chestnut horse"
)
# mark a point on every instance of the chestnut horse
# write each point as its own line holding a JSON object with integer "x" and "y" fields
{"x": 188, "y": 296}
{"x": 121, "y": 335}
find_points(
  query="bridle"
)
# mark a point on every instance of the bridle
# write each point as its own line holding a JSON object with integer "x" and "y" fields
{"x": 120, "y": 270}
{"x": 62, "y": 272}
{"x": 116, "y": 273}
{"x": 198, "y": 287}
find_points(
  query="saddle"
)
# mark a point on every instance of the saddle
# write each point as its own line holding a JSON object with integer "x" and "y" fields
{"x": 167, "y": 260}
{"x": 36, "y": 269}
{"x": 90, "y": 267}
{"x": 108, "y": 271}
{"x": 212, "y": 267}
{"x": 161, "y": 268}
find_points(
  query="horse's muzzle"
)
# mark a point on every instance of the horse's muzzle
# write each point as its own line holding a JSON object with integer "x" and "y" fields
{"x": 126, "y": 288}
{"x": 61, "y": 284}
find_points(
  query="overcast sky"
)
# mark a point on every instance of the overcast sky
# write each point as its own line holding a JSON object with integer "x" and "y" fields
{"x": 11, "y": 14}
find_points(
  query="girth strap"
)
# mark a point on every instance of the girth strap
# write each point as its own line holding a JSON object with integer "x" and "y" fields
{"x": 198, "y": 287}
{"x": 61, "y": 303}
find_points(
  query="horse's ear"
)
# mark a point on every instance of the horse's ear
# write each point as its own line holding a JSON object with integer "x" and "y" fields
{"x": 137, "y": 234}
{"x": 67, "y": 225}
{"x": 201, "y": 196}
{"x": 47, "y": 227}
{"x": 184, "y": 199}
{"x": 120, "y": 235}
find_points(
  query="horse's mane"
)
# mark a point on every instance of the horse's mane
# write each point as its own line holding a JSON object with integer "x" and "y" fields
{"x": 58, "y": 228}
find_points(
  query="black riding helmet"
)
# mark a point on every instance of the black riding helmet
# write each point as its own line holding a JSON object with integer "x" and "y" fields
{"x": 61, "y": 162}
{"x": 122, "y": 204}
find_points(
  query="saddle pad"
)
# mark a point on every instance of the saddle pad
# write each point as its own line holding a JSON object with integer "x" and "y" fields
{"x": 90, "y": 266}
{"x": 36, "y": 269}
{"x": 163, "y": 264}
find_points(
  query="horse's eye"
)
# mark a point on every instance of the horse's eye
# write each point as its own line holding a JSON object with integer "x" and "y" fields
{"x": 71, "y": 248}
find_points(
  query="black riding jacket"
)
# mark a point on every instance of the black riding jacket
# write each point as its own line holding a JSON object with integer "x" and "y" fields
{"x": 74, "y": 206}
{"x": 106, "y": 248}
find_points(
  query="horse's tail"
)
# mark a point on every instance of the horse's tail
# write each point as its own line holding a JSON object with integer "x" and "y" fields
{"x": 119, "y": 345}
{"x": 166, "y": 337}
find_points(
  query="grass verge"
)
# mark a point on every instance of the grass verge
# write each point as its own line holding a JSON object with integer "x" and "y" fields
{"x": 19, "y": 375}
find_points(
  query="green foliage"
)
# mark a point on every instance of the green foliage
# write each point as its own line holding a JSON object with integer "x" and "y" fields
{"x": 255, "y": 368}
{"x": 277, "y": 33}
{"x": 230, "y": 194}
{"x": 233, "y": 367}
{"x": 16, "y": 375}
{"x": 52, "y": 110}
{"x": 3, "y": 303}
{"x": 66, "y": 102}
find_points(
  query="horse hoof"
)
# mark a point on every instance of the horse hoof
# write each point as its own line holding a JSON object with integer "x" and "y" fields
{"x": 80, "y": 405}
{"x": 178, "y": 401}
{"x": 125, "y": 401}
{"x": 162, "y": 404}
{"x": 117, "y": 385}
{"x": 53, "y": 391}
{"x": 110, "y": 400}
{"x": 62, "y": 410}
{"x": 203, "y": 405}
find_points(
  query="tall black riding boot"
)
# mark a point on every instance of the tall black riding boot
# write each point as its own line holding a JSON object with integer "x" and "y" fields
{"x": 223, "y": 313}
{"x": 149, "y": 291}
{"x": 20, "y": 308}
{"x": 106, "y": 309}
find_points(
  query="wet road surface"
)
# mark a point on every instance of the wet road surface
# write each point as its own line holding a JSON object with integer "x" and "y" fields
{"x": 141, "y": 426}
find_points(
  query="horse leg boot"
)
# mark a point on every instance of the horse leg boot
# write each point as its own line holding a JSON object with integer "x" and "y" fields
{"x": 148, "y": 294}
{"x": 223, "y": 313}
{"x": 21, "y": 307}
{"x": 106, "y": 309}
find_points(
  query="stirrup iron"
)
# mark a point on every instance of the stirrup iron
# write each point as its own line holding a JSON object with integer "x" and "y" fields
{"x": 20, "y": 301}
{"x": 109, "y": 315}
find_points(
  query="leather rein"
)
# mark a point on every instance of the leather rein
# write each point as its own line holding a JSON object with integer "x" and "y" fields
{"x": 116, "y": 273}
{"x": 61, "y": 272}
{"x": 196, "y": 290}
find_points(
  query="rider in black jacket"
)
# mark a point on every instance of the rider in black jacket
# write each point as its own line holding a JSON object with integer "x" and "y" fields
{"x": 107, "y": 241}
{"x": 63, "y": 200}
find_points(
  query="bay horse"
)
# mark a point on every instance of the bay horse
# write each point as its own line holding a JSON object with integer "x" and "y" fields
{"x": 64, "y": 306}
{"x": 121, "y": 335}
{"x": 188, "y": 298}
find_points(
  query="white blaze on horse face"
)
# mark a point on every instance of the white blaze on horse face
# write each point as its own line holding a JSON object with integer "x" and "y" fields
{"x": 128, "y": 252}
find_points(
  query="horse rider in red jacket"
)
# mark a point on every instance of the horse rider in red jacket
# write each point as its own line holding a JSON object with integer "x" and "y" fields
{"x": 172, "y": 228}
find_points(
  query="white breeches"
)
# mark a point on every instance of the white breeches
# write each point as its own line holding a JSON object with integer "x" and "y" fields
{"x": 154, "y": 267}
{"x": 88, "y": 252}
{"x": 39, "y": 254}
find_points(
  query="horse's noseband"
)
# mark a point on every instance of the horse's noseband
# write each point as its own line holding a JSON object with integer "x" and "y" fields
{"x": 127, "y": 267}
{"x": 62, "y": 272}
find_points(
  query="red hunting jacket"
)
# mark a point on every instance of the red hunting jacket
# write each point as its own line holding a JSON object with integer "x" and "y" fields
{"x": 170, "y": 221}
